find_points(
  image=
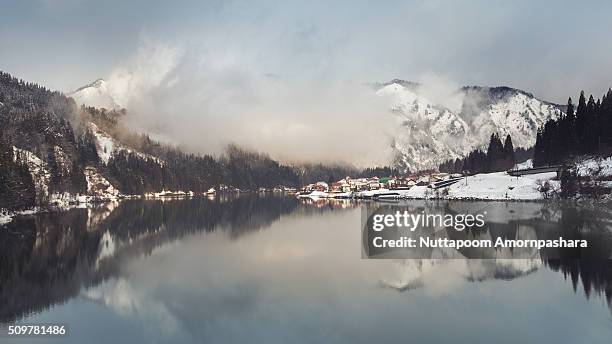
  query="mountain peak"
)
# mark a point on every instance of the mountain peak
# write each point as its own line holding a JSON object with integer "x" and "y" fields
{"x": 98, "y": 83}
{"x": 96, "y": 94}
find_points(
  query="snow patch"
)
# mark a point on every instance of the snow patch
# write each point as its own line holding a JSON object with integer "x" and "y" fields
{"x": 5, "y": 217}
{"x": 96, "y": 94}
{"x": 106, "y": 145}
{"x": 524, "y": 165}
{"x": 599, "y": 167}
{"x": 38, "y": 169}
{"x": 99, "y": 186}
{"x": 484, "y": 186}
{"x": 500, "y": 186}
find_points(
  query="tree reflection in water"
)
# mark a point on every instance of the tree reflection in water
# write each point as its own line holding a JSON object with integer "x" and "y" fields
{"x": 46, "y": 259}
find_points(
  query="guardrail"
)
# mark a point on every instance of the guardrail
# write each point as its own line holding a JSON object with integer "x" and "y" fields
{"x": 535, "y": 170}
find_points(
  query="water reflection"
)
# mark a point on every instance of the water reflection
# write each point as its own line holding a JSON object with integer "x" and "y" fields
{"x": 274, "y": 266}
{"x": 502, "y": 222}
{"x": 47, "y": 258}
{"x": 515, "y": 220}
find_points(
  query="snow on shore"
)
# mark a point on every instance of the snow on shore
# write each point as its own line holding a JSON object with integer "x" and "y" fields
{"x": 5, "y": 217}
{"x": 523, "y": 165}
{"x": 501, "y": 186}
{"x": 484, "y": 186}
{"x": 595, "y": 167}
{"x": 99, "y": 186}
{"x": 488, "y": 186}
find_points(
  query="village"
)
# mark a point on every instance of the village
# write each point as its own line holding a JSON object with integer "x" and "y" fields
{"x": 371, "y": 187}
{"x": 375, "y": 187}
{"x": 523, "y": 182}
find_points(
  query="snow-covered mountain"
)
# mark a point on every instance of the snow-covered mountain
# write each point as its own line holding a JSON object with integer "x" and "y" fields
{"x": 430, "y": 133}
{"x": 96, "y": 94}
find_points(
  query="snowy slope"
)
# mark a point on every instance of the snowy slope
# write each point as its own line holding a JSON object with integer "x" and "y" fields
{"x": 5, "y": 217}
{"x": 500, "y": 186}
{"x": 96, "y": 94}
{"x": 595, "y": 167}
{"x": 106, "y": 145}
{"x": 38, "y": 169}
{"x": 490, "y": 186}
{"x": 98, "y": 185}
{"x": 523, "y": 165}
{"x": 430, "y": 134}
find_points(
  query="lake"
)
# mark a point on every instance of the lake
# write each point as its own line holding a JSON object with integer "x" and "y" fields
{"x": 276, "y": 269}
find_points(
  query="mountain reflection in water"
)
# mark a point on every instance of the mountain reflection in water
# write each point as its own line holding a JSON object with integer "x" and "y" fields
{"x": 52, "y": 258}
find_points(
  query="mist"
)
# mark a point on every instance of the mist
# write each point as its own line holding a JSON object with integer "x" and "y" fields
{"x": 441, "y": 90}
{"x": 203, "y": 102}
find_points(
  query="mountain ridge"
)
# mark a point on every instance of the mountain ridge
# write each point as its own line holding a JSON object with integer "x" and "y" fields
{"x": 53, "y": 151}
{"x": 96, "y": 94}
{"x": 429, "y": 133}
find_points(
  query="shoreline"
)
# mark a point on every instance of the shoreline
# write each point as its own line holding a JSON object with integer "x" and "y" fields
{"x": 7, "y": 216}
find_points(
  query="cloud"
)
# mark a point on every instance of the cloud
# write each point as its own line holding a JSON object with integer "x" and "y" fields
{"x": 143, "y": 73}
{"x": 204, "y": 100}
{"x": 441, "y": 90}
{"x": 131, "y": 303}
{"x": 523, "y": 44}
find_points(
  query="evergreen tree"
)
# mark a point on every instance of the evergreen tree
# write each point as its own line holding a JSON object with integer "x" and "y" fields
{"x": 591, "y": 131}
{"x": 509, "y": 158}
{"x": 581, "y": 122}
{"x": 495, "y": 154}
{"x": 567, "y": 129}
{"x": 17, "y": 190}
{"x": 587, "y": 132}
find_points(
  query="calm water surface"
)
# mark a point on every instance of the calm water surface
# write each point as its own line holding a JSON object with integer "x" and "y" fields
{"x": 274, "y": 269}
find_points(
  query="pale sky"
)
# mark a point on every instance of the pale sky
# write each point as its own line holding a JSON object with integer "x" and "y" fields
{"x": 551, "y": 48}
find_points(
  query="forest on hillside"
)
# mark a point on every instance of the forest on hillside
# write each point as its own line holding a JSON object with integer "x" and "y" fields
{"x": 497, "y": 157}
{"x": 584, "y": 130}
{"x": 53, "y": 128}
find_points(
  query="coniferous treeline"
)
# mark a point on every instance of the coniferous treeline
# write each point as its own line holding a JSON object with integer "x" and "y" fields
{"x": 585, "y": 129}
{"x": 385, "y": 171}
{"x": 37, "y": 120}
{"x": 16, "y": 184}
{"x": 498, "y": 157}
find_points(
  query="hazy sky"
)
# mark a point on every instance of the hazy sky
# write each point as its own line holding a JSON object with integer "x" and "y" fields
{"x": 288, "y": 78}
{"x": 552, "y": 48}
